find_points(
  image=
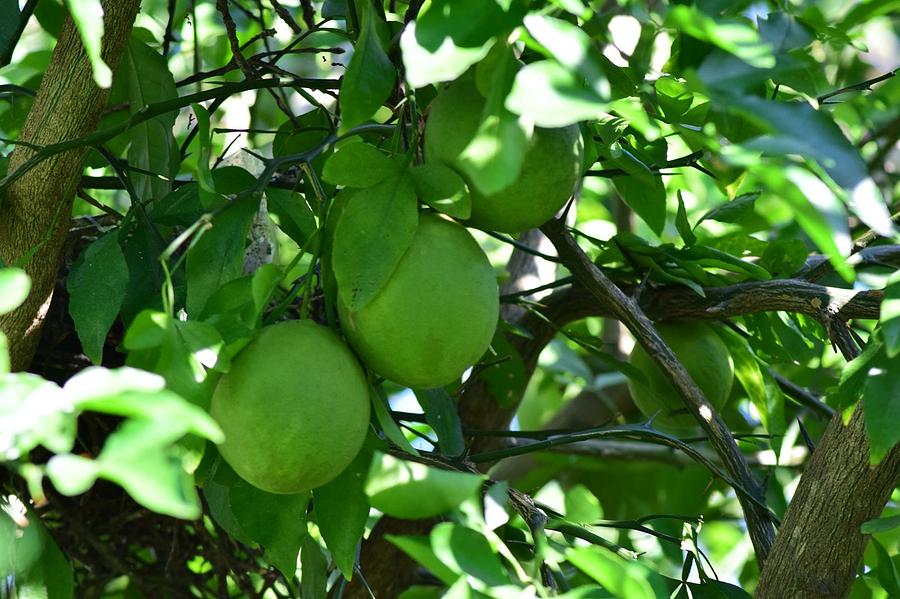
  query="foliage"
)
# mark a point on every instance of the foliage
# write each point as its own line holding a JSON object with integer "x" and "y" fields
{"x": 738, "y": 167}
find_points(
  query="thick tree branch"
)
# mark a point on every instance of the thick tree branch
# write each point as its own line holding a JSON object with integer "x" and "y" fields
{"x": 623, "y": 308}
{"x": 36, "y": 209}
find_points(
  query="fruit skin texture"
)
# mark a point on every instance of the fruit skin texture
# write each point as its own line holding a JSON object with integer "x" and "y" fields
{"x": 552, "y": 164}
{"x": 435, "y": 316}
{"x": 294, "y": 408}
{"x": 707, "y": 360}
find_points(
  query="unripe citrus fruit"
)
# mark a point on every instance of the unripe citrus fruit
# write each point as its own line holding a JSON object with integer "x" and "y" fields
{"x": 437, "y": 313}
{"x": 552, "y": 163}
{"x": 707, "y": 360}
{"x": 294, "y": 408}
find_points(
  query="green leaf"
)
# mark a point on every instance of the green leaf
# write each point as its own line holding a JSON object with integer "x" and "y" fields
{"x": 467, "y": 552}
{"x": 88, "y": 18}
{"x": 683, "y": 224}
{"x": 887, "y": 572}
{"x": 441, "y": 413}
{"x": 358, "y": 165}
{"x": 733, "y": 211}
{"x": 277, "y": 523}
{"x": 32, "y": 561}
{"x": 96, "y": 285}
{"x": 419, "y": 548}
{"x": 33, "y": 412}
{"x": 648, "y": 202}
{"x": 72, "y": 474}
{"x": 314, "y": 580}
{"x": 218, "y": 255}
{"x": 370, "y": 76}
{"x": 295, "y": 217}
{"x": 881, "y": 404}
{"x": 572, "y": 47}
{"x": 342, "y": 510}
{"x": 750, "y": 375}
{"x": 581, "y": 505}
{"x": 153, "y": 146}
{"x": 449, "y": 36}
{"x": 553, "y": 96}
{"x": 735, "y": 37}
{"x": 622, "y": 578}
{"x": 411, "y": 490}
{"x": 15, "y": 285}
{"x": 880, "y": 525}
{"x": 386, "y": 421}
{"x": 9, "y": 26}
{"x": 890, "y": 315}
{"x": 441, "y": 188}
{"x": 375, "y": 229}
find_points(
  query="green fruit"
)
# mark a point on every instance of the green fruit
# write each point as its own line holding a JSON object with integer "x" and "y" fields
{"x": 552, "y": 164}
{"x": 436, "y": 314}
{"x": 707, "y": 360}
{"x": 294, "y": 408}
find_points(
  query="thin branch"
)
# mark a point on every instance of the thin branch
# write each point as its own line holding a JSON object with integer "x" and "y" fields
{"x": 285, "y": 16}
{"x": 759, "y": 520}
{"x": 861, "y": 86}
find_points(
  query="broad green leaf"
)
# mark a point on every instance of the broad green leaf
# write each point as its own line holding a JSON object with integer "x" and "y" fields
{"x": 314, "y": 579}
{"x": 553, "y": 96}
{"x": 31, "y": 559}
{"x": 673, "y": 97}
{"x": 581, "y": 505}
{"x": 209, "y": 197}
{"x": 887, "y": 572}
{"x": 890, "y": 315}
{"x": 218, "y": 255}
{"x": 880, "y": 525}
{"x": 14, "y": 288}
{"x": 153, "y": 146}
{"x": 441, "y": 413}
{"x": 88, "y": 18}
{"x": 72, "y": 474}
{"x": 622, "y": 578}
{"x": 733, "y": 211}
{"x": 96, "y": 285}
{"x": 855, "y": 374}
{"x": 295, "y": 217}
{"x": 468, "y": 552}
{"x": 799, "y": 129}
{"x": 375, "y": 229}
{"x": 648, "y": 202}
{"x": 735, "y": 37}
{"x": 277, "y": 523}
{"x": 142, "y": 250}
{"x": 419, "y": 548}
{"x": 449, "y": 36}
{"x": 180, "y": 207}
{"x": 358, "y": 165}
{"x": 342, "y": 510}
{"x": 441, "y": 188}
{"x": 493, "y": 158}
{"x": 33, "y": 412}
{"x": 881, "y": 404}
{"x": 411, "y": 490}
{"x": 370, "y": 75}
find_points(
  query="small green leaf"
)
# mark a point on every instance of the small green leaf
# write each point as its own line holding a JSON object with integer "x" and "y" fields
{"x": 736, "y": 37}
{"x": 880, "y": 525}
{"x": 358, "y": 165}
{"x": 33, "y": 412}
{"x": 342, "y": 510}
{"x": 411, "y": 490}
{"x": 441, "y": 413}
{"x": 890, "y": 315}
{"x": 887, "y": 572}
{"x": 88, "y": 18}
{"x": 295, "y": 217}
{"x": 683, "y": 225}
{"x": 881, "y": 404}
{"x": 218, "y": 255}
{"x": 386, "y": 421}
{"x": 97, "y": 283}
{"x": 370, "y": 76}
{"x": 468, "y": 552}
{"x": 732, "y": 211}
{"x": 553, "y": 96}
{"x": 441, "y": 188}
{"x": 314, "y": 566}
{"x": 375, "y": 229}
{"x": 648, "y": 202}
{"x": 14, "y": 288}
{"x": 419, "y": 548}
{"x": 572, "y": 47}
{"x": 581, "y": 505}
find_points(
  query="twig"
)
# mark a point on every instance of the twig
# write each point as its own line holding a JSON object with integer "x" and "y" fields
{"x": 759, "y": 520}
{"x": 231, "y": 33}
{"x": 861, "y": 86}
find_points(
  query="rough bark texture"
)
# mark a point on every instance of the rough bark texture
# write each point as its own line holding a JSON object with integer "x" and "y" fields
{"x": 36, "y": 210}
{"x": 819, "y": 545}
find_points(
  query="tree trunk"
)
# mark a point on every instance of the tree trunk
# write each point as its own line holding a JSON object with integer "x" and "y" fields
{"x": 36, "y": 211}
{"x": 817, "y": 550}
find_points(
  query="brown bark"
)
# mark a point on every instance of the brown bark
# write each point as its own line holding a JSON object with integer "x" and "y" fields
{"x": 819, "y": 545}
{"x": 36, "y": 210}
